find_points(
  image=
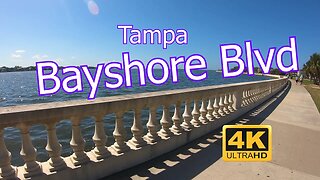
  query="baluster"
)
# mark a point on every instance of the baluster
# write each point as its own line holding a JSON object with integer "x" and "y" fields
{"x": 6, "y": 170}
{"x": 238, "y": 99}
{"x": 77, "y": 144}
{"x": 203, "y": 112}
{"x": 226, "y": 104}
{"x": 260, "y": 91}
{"x": 254, "y": 95}
{"x": 137, "y": 130}
{"x": 266, "y": 92}
{"x": 250, "y": 96}
{"x": 231, "y": 102}
{"x": 196, "y": 114}
{"x": 165, "y": 123}
{"x": 216, "y": 107}
{"x": 54, "y": 149}
{"x": 221, "y": 106}
{"x": 243, "y": 98}
{"x": 210, "y": 110}
{"x": 100, "y": 139}
{"x": 152, "y": 126}
{"x": 29, "y": 154}
{"x": 246, "y": 95}
{"x": 176, "y": 119}
{"x": 119, "y": 135}
{"x": 187, "y": 116}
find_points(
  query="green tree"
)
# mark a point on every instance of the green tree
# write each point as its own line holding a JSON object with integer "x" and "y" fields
{"x": 312, "y": 68}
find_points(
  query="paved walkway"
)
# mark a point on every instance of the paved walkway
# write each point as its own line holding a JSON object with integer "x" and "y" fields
{"x": 295, "y": 124}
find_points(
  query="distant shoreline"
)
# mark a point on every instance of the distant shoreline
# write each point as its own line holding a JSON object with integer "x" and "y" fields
{"x": 259, "y": 74}
{"x": 33, "y": 68}
{"x": 5, "y": 69}
{"x": 16, "y": 69}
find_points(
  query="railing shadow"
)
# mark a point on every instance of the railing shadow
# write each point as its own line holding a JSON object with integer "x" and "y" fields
{"x": 188, "y": 161}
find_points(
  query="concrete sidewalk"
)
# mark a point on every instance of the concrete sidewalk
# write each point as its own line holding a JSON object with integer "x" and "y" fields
{"x": 296, "y": 144}
{"x": 295, "y": 124}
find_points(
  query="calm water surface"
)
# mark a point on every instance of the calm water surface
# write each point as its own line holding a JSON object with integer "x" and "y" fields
{"x": 20, "y": 88}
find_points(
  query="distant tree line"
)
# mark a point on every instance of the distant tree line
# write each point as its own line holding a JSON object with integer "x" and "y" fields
{"x": 17, "y": 68}
{"x": 312, "y": 68}
{"x": 274, "y": 71}
{"x": 20, "y": 68}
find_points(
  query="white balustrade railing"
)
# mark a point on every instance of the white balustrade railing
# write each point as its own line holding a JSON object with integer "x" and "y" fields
{"x": 205, "y": 109}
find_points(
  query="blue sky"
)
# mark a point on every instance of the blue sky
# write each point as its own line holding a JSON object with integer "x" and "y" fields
{"x": 66, "y": 31}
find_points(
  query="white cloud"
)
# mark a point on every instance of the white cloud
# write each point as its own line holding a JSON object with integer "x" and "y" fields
{"x": 20, "y": 51}
{"x": 16, "y": 56}
{"x": 58, "y": 60}
{"x": 40, "y": 57}
{"x": 36, "y": 56}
